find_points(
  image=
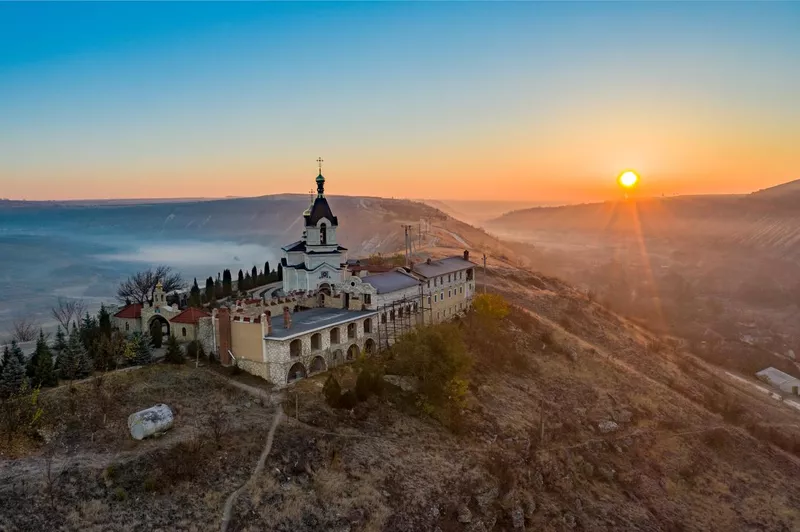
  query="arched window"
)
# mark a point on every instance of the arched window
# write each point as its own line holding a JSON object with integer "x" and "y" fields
{"x": 183, "y": 331}
{"x": 316, "y": 342}
{"x": 295, "y": 348}
{"x": 351, "y": 331}
{"x": 323, "y": 234}
{"x": 367, "y": 325}
{"x": 127, "y": 326}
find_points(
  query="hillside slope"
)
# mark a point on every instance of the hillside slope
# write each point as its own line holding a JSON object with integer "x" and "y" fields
{"x": 637, "y": 434}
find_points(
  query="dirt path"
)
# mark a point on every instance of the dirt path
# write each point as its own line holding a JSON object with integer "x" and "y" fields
{"x": 226, "y": 514}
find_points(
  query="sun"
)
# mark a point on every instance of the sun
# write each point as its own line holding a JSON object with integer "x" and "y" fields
{"x": 628, "y": 179}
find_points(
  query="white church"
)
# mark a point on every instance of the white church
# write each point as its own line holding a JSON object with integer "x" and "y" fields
{"x": 316, "y": 261}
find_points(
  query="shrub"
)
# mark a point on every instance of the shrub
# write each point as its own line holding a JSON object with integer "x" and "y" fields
{"x": 332, "y": 391}
{"x": 120, "y": 494}
{"x": 174, "y": 353}
{"x": 348, "y": 400}
{"x": 369, "y": 382}
{"x": 492, "y": 306}
{"x": 194, "y": 350}
{"x": 437, "y": 356}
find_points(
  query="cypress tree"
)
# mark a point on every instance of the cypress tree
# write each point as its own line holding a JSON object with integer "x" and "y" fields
{"x": 226, "y": 283}
{"x": 280, "y": 272}
{"x": 194, "y": 295}
{"x": 248, "y": 281}
{"x": 210, "y": 295}
{"x": 240, "y": 286}
{"x": 43, "y": 372}
{"x": 174, "y": 353}
{"x": 104, "y": 321}
{"x": 254, "y": 276}
{"x": 267, "y": 271}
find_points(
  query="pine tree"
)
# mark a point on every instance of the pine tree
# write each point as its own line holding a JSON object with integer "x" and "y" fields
{"x": 59, "y": 346}
{"x": 76, "y": 363}
{"x": 13, "y": 374}
{"x": 43, "y": 373}
{"x": 174, "y": 353}
{"x": 143, "y": 355}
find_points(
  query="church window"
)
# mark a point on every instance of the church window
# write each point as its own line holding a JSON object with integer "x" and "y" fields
{"x": 183, "y": 331}
{"x": 368, "y": 299}
{"x": 435, "y": 281}
{"x": 449, "y": 293}
{"x": 441, "y": 296}
{"x": 127, "y": 326}
{"x": 323, "y": 234}
{"x": 462, "y": 289}
{"x": 435, "y": 298}
{"x": 429, "y": 300}
{"x": 449, "y": 277}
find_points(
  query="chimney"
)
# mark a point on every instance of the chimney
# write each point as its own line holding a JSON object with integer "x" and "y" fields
{"x": 466, "y": 254}
{"x": 287, "y": 318}
{"x": 267, "y": 320}
{"x": 428, "y": 260}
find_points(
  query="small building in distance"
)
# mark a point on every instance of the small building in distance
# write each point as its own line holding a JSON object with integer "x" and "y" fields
{"x": 779, "y": 379}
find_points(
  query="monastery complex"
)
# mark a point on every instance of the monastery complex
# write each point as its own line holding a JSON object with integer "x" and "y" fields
{"x": 327, "y": 312}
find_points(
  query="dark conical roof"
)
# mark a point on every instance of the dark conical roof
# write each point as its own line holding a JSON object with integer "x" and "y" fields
{"x": 319, "y": 210}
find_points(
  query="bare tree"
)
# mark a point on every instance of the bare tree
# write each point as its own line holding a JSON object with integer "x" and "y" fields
{"x": 139, "y": 287}
{"x": 24, "y": 329}
{"x": 67, "y": 310}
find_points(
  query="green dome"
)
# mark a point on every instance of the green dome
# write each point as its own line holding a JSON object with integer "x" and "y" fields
{"x": 320, "y": 178}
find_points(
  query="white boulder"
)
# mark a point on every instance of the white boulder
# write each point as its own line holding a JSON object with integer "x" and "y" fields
{"x": 158, "y": 418}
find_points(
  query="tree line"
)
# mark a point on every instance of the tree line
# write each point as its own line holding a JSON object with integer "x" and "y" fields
{"x": 222, "y": 286}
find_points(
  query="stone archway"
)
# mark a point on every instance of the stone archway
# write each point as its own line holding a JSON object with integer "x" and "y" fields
{"x": 296, "y": 372}
{"x": 317, "y": 365}
{"x": 369, "y": 346}
{"x": 352, "y": 352}
{"x": 157, "y": 322}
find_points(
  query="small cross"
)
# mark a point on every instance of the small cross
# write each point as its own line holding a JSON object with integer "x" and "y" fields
{"x": 319, "y": 161}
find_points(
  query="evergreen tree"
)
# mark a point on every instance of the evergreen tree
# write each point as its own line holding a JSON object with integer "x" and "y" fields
{"x": 210, "y": 293}
{"x": 267, "y": 272}
{"x": 226, "y": 283}
{"x": 248, "y": 282}
{"x": 143, "y": 355}
{"x": 194, "y": 295}
{"x": 12, "y": 376}
{"x": 59, "y": 346}
{"x": 156, "y": 334}
{"x": 31, "y": 364}
{"x": 240, "y": 286}
{"x": 75, "y": 363}
{"x": 43, "y": 373}
{"x": 104, "y": 321}
{"x": 174, "y": 353}
{"x": 254, "y": 276}
{"x": 280, "y": 272}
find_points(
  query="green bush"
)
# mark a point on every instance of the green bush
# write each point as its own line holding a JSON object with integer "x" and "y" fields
{"x": 348, "y": 400}
{"x": 332, "y": 391}
{"x": 194, "y": 350}
{"x": 437, "y": 356}
{"x": 369, "y": 382}
{"x": 174, "y": 353}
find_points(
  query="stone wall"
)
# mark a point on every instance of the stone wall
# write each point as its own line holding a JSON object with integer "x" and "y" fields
{"x": 259, "y": 369}
{"x": 205, "y": 335}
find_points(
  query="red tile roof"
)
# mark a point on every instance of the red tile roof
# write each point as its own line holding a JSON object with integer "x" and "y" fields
{"x": 130, "y": 312}
{"x": 190, "y": 315}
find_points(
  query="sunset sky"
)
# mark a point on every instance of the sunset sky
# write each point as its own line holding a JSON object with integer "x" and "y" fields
{"x": 489, "y": 101}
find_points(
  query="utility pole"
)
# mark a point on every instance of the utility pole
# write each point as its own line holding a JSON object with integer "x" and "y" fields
{"x": 484, "y": 273}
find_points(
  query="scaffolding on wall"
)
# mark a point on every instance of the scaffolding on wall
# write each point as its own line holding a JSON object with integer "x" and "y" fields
{"x": 399, "y": 317}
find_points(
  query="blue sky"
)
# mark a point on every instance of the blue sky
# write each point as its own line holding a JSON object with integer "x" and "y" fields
{"x": 543, "y": 100}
